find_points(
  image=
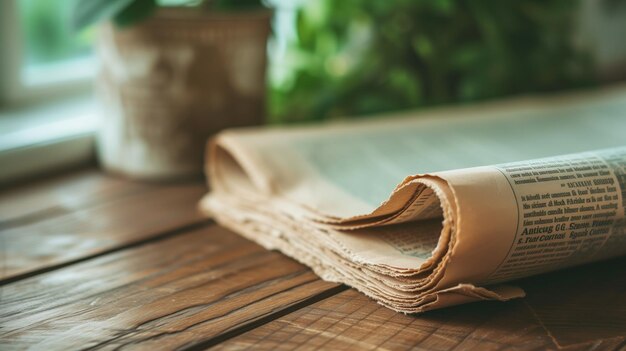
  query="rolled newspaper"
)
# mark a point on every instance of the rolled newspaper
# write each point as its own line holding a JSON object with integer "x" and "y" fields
{"x": 336, "y": 197}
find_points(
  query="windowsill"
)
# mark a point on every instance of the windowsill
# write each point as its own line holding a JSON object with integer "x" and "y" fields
{"x": 47, "y": 137}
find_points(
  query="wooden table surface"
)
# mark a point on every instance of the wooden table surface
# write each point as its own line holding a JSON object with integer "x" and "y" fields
{"x": 91, "y": 261}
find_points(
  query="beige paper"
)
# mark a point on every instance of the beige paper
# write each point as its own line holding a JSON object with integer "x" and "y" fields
{"x": 337, "y": 198}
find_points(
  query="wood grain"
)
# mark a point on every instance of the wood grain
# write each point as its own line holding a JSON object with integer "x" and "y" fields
{"x": 61, "y": 194}
{"x": 579, "y": 309}
{"x": 582, "y": 304}
{"x": 94, "y": 230}
{"x": 92, "y": 261}
{"x": 351, "y": 321}
{"x": 174, "y": 293}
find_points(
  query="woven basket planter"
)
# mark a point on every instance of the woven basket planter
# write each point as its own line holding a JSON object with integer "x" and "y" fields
{"x": 168, "y": 83}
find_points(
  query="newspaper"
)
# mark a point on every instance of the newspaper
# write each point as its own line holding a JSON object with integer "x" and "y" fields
{"x": 423, "y": 211}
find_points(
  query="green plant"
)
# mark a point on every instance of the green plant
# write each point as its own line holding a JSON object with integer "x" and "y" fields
{"x": 128, "y": 12}
{"x": 355, "y": 57}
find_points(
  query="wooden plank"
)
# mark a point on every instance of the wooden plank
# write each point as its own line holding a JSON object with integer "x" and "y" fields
{"x": 582, "y": 304}
{"x": 61, "y": 194}
{"x": 168, "y": 294}
{"x": 87, "y": 232}
{"x": 580, "y": 309}
{"x": 351, "y": 321}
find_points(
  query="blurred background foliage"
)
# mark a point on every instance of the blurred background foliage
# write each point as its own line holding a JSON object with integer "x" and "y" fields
{"x": 359, "y": 57}
{"x": 50, "y": 33}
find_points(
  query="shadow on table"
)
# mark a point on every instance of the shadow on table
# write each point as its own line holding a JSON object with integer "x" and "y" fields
{"x": 572, "y": 306}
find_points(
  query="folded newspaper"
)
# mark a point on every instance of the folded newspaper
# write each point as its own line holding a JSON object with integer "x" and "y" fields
{"x": 427, "y": 210}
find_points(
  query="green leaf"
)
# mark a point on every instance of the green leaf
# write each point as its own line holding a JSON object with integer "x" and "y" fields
{"x": 236, "y": 5}
{"x": 88, "y": 12}
{"x": 423, "y": 46}
{"x": 138, "y": 10}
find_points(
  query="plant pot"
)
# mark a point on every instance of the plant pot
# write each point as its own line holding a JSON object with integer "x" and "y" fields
{"x": 170, "y": 82}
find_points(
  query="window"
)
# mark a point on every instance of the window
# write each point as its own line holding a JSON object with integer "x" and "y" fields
{"x": 53, "y": 51}
{"x": 46, "y": 73}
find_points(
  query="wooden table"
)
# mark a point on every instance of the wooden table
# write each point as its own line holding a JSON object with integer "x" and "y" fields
{"x": 91, "y": 261}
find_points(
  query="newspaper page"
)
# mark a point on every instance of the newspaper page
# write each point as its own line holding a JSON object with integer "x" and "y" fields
{"x": 337, "y": 197}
